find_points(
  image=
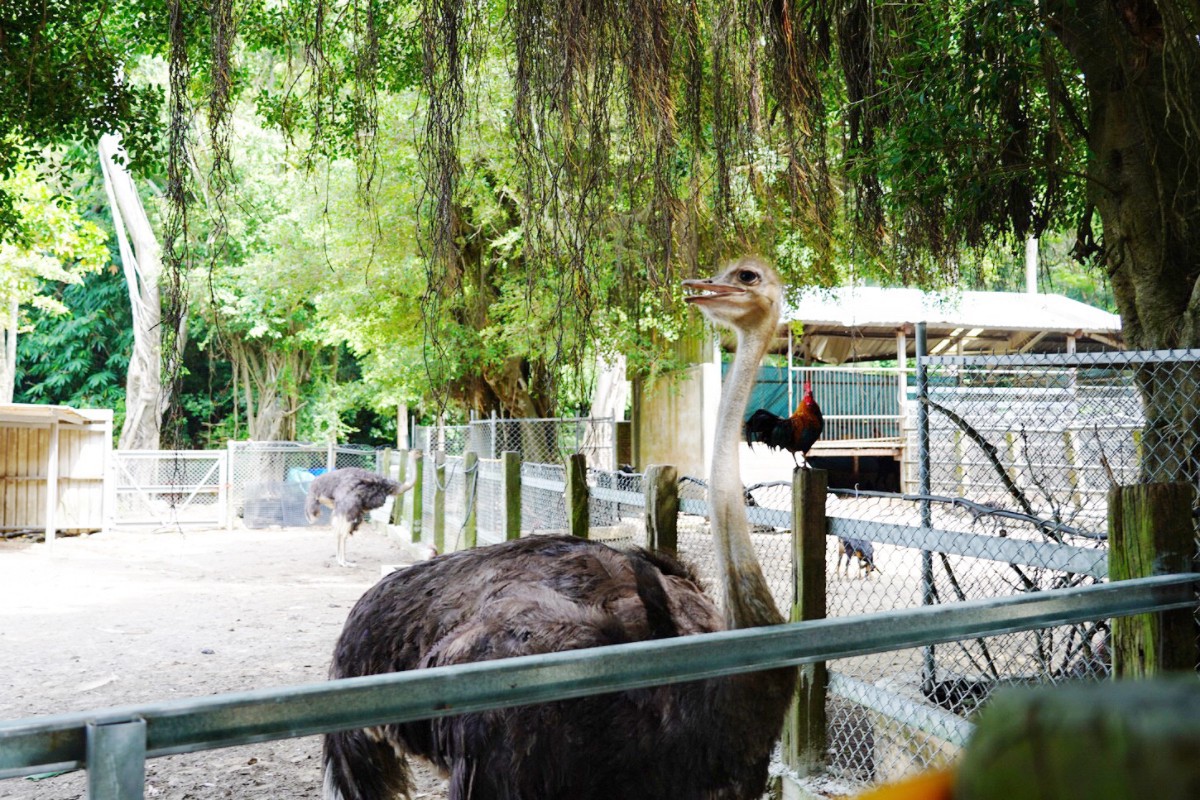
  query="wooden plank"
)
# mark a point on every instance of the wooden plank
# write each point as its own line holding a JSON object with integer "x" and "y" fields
{"x": 1138, "y": 739}
{"x": 439, "y": 501}
{"x": 661, "y": 488}
{"x": 470, "y": 499}
{"x": 804, "y": 729}
{"x": 510, "y": 490}
{"x": 417, "y": 509}
{"x": 577, "y": 495}
{"x": 1151, "y": 533}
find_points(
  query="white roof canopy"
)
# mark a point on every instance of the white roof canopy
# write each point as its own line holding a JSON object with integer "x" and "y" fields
{"x": 34, "y": 415}
{"x": 861, "y": 323}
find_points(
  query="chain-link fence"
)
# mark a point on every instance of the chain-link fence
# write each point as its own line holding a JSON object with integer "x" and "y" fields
{"x": 268, "y": 481}
{"x": 1006, "y": 495}
{"x": 542, "y": 441}
{"x": 1050, "y": 434}
{"x": 170, "y": 488}
{"x": 890, "y": 714}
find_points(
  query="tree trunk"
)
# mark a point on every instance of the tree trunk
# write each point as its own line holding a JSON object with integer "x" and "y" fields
{"x": 1144, "y": 101}
{"x": 269, "y": 381}
{"x": 8, "y": 354}
{"x": 146, "y": 398}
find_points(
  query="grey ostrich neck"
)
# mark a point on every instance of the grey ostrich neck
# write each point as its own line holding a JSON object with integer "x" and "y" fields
{"x": 748, "y": 601}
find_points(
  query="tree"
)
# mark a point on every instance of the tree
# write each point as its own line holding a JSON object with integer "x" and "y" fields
{"x": 64, "y": 78}
{"x": 55, "y": 245}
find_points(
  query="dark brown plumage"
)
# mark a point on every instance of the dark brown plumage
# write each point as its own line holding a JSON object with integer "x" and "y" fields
{"x": 704, "y": 740}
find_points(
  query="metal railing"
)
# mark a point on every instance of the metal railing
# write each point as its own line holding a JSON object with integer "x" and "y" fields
{"x": 858, "y": 402}
{"x": 113, "y": 744}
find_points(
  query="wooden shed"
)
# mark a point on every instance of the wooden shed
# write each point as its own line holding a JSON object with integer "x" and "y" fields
{"x": 54, "y": 467}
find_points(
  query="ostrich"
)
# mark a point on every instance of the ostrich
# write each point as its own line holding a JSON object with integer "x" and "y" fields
{"x": 351, "y": 492}
{"x": 701, "y": 740}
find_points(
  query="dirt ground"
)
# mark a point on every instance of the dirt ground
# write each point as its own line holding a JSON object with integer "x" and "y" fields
{"x": 127, "y": 617}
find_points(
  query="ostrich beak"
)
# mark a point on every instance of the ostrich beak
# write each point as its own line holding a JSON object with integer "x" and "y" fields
{"x": 709, "y": 290}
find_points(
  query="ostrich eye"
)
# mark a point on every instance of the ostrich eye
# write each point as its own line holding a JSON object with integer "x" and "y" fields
{"x": 748, "y": 276}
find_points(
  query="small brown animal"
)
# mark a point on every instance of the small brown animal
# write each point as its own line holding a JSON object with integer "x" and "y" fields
{"x": 856, "y": 548}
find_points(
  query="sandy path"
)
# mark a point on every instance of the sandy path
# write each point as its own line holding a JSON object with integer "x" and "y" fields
{"x": 135, "y": 617}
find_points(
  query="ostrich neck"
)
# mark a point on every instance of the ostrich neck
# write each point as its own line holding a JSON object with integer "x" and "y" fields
{"x": 748, "y": 601}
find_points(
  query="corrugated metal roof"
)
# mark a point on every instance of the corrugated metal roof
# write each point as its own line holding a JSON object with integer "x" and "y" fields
{"x": 873, "y": 306}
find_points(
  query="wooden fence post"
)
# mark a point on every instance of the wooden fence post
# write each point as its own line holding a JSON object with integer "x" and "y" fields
{"x": 510, "y": 490}
{"x": 660, "y": 485}
{"x": 470, "y": 499}
{"x": 804, "y": 731}
{"x": 577, "y": 495}
{"x": 439, "y": 501}
{"x": 401, "y": 500}
{"x": 417, "y": 507}
{"x": 1150, "y": 532}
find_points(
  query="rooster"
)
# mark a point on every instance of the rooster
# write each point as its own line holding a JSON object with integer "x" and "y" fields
{"x": 796, "y": 434}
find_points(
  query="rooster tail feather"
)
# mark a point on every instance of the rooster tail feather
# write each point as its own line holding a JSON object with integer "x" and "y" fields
{"x": 761, "y": 425}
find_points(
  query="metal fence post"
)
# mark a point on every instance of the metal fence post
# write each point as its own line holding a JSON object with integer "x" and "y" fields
{"x": 805, "y": 726}
{"x": 577, "y": 495}
{"x": 661, "y": 488}
{"x": 510, "y": 489}
{"x": 929, "y": 674}
{"x": 116, "y": 760}
{"x": 470, "y": 499}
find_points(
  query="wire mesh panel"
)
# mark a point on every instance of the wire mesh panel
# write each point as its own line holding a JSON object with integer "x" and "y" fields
{"x": 880, "y": 558}
{"x": 543, "y": 498}
{"x": 489, "y": 504}
{"x": 769, "y": 512}
{"x": 267, "y": 480}
{"x": 1050, "y": 434}
{"x": 455, "y": 487}
{"x": 542, "y": 441}
{"x": 616, "y": 508}
{"x": 171, "y": 487}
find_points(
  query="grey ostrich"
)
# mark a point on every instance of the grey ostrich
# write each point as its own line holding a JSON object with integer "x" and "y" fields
{"x": 351, "y": 493}
{"x": 702, "y": 740}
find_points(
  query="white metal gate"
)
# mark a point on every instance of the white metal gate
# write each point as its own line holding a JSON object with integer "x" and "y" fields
{"x": 171, "y": 487}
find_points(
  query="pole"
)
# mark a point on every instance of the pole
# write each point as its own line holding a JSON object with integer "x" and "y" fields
{"x": 929, "y": 674}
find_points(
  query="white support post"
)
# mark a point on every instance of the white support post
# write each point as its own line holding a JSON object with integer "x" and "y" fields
{"x": 902, "y": 379}
{"x": 52, "y": 483}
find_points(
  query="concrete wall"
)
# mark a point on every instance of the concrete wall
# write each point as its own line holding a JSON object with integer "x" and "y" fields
{"x": 674, "y": 419}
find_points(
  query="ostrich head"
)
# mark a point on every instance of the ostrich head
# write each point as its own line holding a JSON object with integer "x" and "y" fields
{"x": 745, "y": 297}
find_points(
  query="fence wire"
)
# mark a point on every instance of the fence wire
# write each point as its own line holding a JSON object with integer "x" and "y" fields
{"x": 616, "y": 508}
{"x": 542, "y": 441}
{"x": 489, "y": 505}
{"x": 543, "y": 499}
{"x": 268, "y": 481}
{"x": 1049, "y": 435}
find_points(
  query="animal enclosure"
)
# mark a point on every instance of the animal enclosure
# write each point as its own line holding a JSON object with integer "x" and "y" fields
{"x": 1018, "y": 473}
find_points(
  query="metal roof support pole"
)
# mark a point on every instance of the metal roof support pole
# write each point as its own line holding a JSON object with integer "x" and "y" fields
{"x": 923, "y": 490}
{"x": 116, "y": 760}
{"x": 791, "y": 363}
